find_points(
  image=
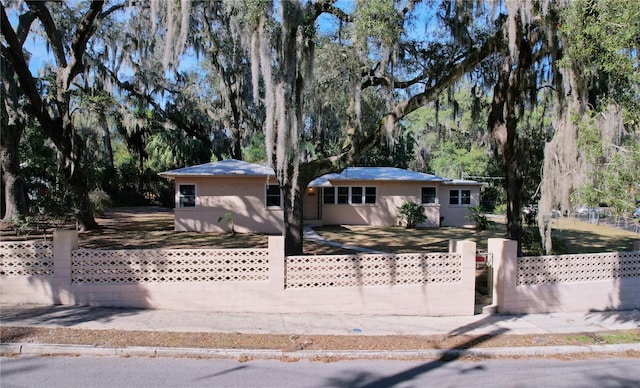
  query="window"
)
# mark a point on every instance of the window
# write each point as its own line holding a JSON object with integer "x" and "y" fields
{"x": 460, "y": 197}
{"x": 187, "y": 196}
{"x": 343, "y": 194}
{"x": 273, "y": 196}
{"x": 465, "y": 197}
{"x": 329, "y": 195}
{"x": 428, "y": 195}
{"x": 370, "y": 195}
{"x": 356, "y": 195}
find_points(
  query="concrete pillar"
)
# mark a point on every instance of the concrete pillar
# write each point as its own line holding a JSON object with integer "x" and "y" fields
{"x": 276, "y": 262}
{"x": 64, "y": 242}
{"x": 504, "y": 254}
{"x": 468, "y": 250}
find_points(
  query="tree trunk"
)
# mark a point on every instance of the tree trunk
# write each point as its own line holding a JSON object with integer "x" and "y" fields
{"x": 15, "y": 200}
{"x": 84, "y": 212}
{"x": 108, "y": 181}
{"x": 294, "y": 220}
{"x": 503, "y": 125}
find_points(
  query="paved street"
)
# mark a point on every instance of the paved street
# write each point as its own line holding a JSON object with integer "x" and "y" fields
{"x": 167, "y": 372}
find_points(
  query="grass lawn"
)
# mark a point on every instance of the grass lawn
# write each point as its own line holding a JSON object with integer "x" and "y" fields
{"x": 152, "y": 228}
{"x": 577, "y": 236}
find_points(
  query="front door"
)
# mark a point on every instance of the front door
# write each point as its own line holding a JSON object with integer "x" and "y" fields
{"x": 311, "y": 203}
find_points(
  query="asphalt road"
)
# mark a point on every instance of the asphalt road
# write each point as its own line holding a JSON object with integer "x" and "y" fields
{"x": 86, "y": 371}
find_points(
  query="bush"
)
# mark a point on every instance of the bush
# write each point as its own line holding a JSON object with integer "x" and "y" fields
{"x": 476, "y": 215}
{"x": 501, "y": 209}
{"x": 100, "y": 201}
{"x": 411, "y": 214}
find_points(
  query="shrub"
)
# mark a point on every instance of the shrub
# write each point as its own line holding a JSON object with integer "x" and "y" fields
{"x": 100, "y": 201}
{"x": 501, "y": 209}
{"x": 411, "y": 214}
{"x": 476, "y": 215}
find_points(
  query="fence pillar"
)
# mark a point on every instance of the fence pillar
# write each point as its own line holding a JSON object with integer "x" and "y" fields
{"x": 64, "y": 242}
{"x": 468, "y": 250}
{"x": 636, "y": 246}
{"x": 504, "y": 255}
{"x": 276, "y": 262}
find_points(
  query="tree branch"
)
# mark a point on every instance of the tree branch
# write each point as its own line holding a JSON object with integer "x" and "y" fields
{"x": 15, "y": 56}
{"x": 40, "y": 9}
{"x": 85, "y": 30}
{"x": 24, "y": 24}
{"x": 326, "y": 6}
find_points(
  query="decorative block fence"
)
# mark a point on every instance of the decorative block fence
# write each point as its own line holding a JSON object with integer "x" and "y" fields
{"x": 540, "y": 284}
{"x": 240, "y": 280}
{"x": 264, "y": 280}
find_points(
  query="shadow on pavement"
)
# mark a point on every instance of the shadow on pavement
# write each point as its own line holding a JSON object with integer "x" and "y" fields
{"x": 62, "y": 315}
{"x": 367, "y": 380}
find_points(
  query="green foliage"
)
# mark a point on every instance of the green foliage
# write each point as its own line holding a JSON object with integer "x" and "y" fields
{"x": 100, "y": 201}
{"x": 615, "y": 171}
{"x": 378, "y": 19}
{"x": 254, "y": 151}
{"x": 602, "y": 39}
{"x": 453, "y": 161}
{"x": 501, "y": 209}
{"x": 228, "y": 218}
{"x": 476, "y": 215}
{"x": 411, "y": 214}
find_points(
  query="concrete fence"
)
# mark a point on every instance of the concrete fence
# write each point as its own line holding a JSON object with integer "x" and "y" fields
{"x": 566, "y": 283}
{"x": 238, "y": 280}
{"x": 264, "y": 280}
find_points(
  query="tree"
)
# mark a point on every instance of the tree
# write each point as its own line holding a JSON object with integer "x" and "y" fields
{"x": 593, "y": 155}
{"x": 54, "y": 110}
{"x": 13, "y": 121}
{"x": 410, "y": 73}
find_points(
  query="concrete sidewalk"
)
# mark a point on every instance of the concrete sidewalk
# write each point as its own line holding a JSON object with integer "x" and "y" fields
{"x": 83, "y": 317}
{"x": 309, "y": 324}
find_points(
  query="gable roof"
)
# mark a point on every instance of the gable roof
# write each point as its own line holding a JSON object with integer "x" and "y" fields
{"x": 229, "y": 167}
{"x": 376, "y": 174}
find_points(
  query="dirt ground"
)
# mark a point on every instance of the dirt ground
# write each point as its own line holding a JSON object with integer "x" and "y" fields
{"x": 292, "y": 343}
{"x": 146, "y": 228}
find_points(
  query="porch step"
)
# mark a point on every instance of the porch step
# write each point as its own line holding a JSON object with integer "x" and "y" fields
{"x": 485, "y": 309}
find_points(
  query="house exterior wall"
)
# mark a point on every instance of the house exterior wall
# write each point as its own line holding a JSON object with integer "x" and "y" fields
{"x": 455, "y": 215}
{"x": 391, "y": 195}
{"x": 244, "y": 197}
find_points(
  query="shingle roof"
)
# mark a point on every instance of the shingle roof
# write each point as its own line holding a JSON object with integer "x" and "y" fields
{"x": 377, "y": 174}
{"x": 229, "y": 167}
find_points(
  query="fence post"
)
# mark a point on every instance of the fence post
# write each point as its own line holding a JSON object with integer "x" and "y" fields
{"x": 468, "y": 250}
{"x": 636, "y": 246}
{"x": 504, "y": 254}
{"x": 276, "y": 262}
{"x": 64, "y": 242}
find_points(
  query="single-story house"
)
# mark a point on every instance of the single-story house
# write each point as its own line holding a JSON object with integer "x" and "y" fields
{"x": 204, "y": 194}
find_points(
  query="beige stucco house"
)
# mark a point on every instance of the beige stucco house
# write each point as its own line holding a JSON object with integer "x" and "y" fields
{"x": 356, "y": 196}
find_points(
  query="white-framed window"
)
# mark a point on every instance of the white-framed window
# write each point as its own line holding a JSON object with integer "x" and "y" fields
{"x": 273, "y": 197}
{"x": 370, "y": 195}
{"x": 357, "y": 195}
{"x": 186, "y": 196}
{"x": 354, "y": 195}
{"x": 429, "y": 195}
{"x": 459, "y": 197}
{"x": 343, "y": 194}
{"x": 329, "y": 195}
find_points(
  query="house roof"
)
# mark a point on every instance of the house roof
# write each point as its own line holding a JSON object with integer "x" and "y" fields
{"x": 229, "y": 167}
{"x": 376, "y": 174}
{"x": 232, "y": 167}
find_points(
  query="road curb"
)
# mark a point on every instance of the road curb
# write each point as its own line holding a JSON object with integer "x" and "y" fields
{"x": 249, "y": 354}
